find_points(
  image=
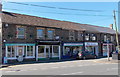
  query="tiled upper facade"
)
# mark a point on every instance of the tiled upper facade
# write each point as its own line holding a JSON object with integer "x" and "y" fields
{"x": 24, "y": 28}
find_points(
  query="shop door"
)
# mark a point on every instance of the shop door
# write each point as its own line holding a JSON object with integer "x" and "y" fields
{"x": 20, "y": 51}
{"x": 47, "y": 51}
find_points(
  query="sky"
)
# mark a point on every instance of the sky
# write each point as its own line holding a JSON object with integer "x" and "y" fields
{"x": 85, "y": 15}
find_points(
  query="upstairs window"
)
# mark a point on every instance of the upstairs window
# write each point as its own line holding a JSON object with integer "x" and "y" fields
{"x": 87, "y": 37}
{"x": 71, "y": 35}
{"x": 112, "y": 38}
{"x": 40, "y": 34}
{"x": 20, "y": 32}
{"x": 50, "y": 34}
{"x": 93, "y": 37}
{"x": 105, "y": 38}
{"x": 80, "y": 36}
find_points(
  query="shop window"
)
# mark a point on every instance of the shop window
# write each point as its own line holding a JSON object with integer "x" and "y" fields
{"x": 11, "y": 52}
{"x": 29, "y": 50}
{"x": 50, "y": 34}
{"x": 25, "y": 51}
{"x": 55, "y": 51}
{"x": 71, "y": 35}
{"x": 66, "y": 51}
{"x": 41, "y": 51}
{"x": 40, "y": 33}
{"x": 87, "y": 37}
{"x": 104, "y": 50}
{"x": 20, "y": 32}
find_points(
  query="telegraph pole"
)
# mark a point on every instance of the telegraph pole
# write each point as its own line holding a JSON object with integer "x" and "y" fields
{"x": 116, "y": 29}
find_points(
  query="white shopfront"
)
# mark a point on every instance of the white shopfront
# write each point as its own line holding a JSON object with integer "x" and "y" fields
{"x": 92, "y": 47}
{"x": 105, "y": 48}
{"x": 19, "y": 51}
{"x": 47, "y": 52}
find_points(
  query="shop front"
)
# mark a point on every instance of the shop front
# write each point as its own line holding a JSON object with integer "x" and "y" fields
{"x": 70, "y": 50}
{"x": 107, "y": 47}
{"x": 19, "y": 52}
{"x": 46, "y": 50}
{"x": 92, "y": 47}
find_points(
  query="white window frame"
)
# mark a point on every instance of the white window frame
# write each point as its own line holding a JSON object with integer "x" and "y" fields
{"x": 87, "y": 37}
{"x": 105, "y": 38}
{"x": 40, "y": 37}
{"x": 33, "y": 51}
{"x": 6, "y": 48}
{"x": 112, "y": 38}
{"x": 53, "y": 50}
{"x": 80, "y": 35}
{"x": 48, "y": 32}
{"x": 71, "y": 36}
{"x": 44, "y": 51}
{"x": 20, "y": 35}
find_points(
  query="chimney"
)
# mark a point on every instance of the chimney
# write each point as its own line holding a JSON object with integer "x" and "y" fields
{"x": 111, "y": 26}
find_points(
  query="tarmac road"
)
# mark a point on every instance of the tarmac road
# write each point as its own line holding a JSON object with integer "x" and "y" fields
{"x": 77, "y": 67}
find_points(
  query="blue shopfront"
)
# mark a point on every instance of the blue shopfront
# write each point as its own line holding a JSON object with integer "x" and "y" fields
{"x": 70, "y": 50}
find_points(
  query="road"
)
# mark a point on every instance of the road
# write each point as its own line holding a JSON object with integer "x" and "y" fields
{"x": 77, "y": 67}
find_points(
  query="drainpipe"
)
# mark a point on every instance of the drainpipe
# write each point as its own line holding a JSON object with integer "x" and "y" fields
{"x": 1, "y": 31}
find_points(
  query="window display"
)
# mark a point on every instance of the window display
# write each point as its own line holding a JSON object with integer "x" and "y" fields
{"x": 55, "y": 52}
{"x": 41, "y": 52}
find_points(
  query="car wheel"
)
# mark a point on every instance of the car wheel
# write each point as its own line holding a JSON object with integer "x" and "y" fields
{"x": 84, "y": 58}
{"x": 95, "y": 57}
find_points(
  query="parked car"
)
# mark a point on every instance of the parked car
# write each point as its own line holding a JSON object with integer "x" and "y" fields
{"x": 86, "y": 55}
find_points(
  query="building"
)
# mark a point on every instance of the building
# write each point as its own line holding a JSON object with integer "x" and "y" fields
{"x": 30, "y": 38}
{"x": 119, "y": 16}
{"x": 0, "y": 31}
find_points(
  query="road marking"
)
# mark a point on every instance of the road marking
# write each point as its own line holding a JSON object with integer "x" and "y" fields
{"x": 54, "y": 67}
{"x": 73, "y": 73}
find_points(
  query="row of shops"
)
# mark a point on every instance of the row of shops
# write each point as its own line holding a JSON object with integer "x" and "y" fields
{"x": 45, "y": 50}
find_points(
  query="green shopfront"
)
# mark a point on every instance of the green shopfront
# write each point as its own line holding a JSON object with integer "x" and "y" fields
{"x": 19, "y": 51}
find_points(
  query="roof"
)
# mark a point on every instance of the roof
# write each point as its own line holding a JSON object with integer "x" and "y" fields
{"x": 15, "y": 18}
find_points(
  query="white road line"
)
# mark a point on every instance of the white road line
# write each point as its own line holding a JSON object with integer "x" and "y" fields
{"x": 73, "y": 73}
{"x": 54, "y": 67}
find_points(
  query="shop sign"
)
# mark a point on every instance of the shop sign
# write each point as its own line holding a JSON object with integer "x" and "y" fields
{"x": 107, "y": 44}
{"x": 73, "y": 44}
{"x": 20, "y": 44}
{"x": 91, "y": 44}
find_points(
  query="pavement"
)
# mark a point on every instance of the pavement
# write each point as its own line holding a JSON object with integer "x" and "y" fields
{"x": 100, "y": 60}
{"x": 106, "y": 60}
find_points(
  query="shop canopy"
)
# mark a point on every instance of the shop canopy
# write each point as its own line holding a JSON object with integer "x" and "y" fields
{"x": 20, "y": 44}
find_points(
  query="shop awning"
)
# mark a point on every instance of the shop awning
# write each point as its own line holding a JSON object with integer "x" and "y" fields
{"x": 73, "y": 44}
{"x": 19, "y": 44}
